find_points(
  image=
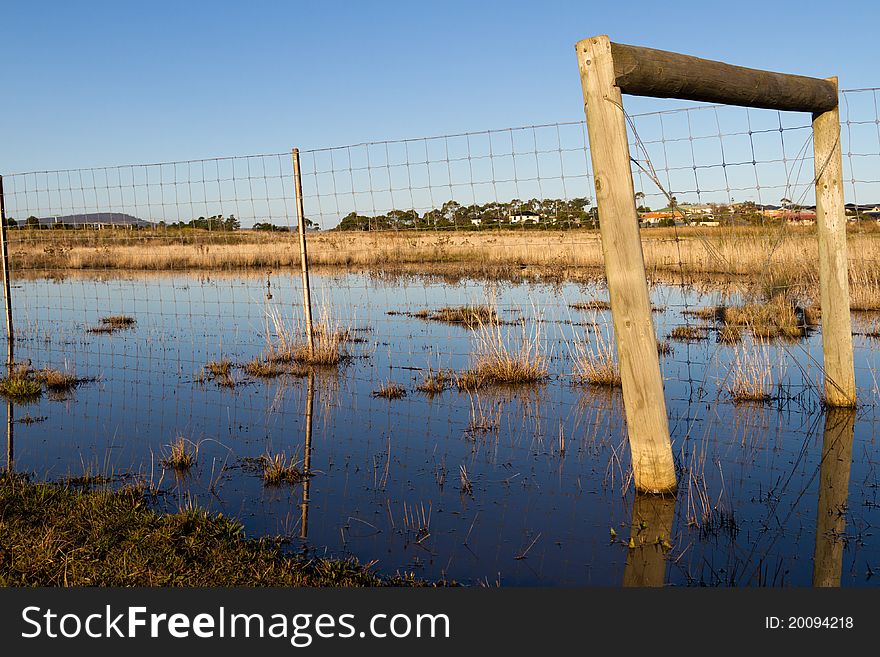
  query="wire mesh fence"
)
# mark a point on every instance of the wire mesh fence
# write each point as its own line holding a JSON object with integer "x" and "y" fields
{"x": 162, "y": 302}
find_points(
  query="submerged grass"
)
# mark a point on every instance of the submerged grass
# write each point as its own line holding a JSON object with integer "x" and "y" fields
{"x": 390, "y": 390}
{"x": 20, "y": 386}
{"x": 288, "y": 342}
{"x": 595, "y": 364}
{"x": 181, "y": 455}
{"x": 59, "y": 535}
{"x": 468, "y": 316}
{"x": 435, "y": 382}
{"x": 278, "y": 469}
{"x": 113, "y": 323}
{"x": 751, "y": 376}
{"x": 501, "y": 359}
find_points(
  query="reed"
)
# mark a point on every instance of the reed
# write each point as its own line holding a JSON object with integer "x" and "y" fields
{"x": 594, "y": 362}
{"x": 751, "y": 375}
{"x": 501, "y": 358}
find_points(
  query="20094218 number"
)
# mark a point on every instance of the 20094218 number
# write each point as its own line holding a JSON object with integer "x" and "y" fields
{"x": 820, "y": 622}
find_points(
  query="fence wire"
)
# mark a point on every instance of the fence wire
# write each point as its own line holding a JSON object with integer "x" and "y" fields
{"x": 169, "y": 294}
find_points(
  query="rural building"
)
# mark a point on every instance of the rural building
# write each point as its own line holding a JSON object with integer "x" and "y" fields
{"x": 525, "y": 217}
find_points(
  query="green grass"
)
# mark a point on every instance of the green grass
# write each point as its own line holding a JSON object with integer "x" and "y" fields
{"x": 59, "y": 535}
{"x": 20, "y": 386}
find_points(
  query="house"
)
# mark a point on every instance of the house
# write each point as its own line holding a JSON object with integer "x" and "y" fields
{"x": 525, "y": 217}
{"x": 476, "y": 222}
{"x": 801, "y": 217}
{"x": 655, "y": 217}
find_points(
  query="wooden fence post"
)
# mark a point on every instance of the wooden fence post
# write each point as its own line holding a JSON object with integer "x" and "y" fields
{"x": 840, "y": 380}
{"x": 304, "y": 261}
{"x": 645, "y": 406}
{"x": 7, "y": 295}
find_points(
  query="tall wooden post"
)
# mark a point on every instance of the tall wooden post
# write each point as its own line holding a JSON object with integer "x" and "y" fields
{"x": 7, "y": 295}
{"x": 837, "y": 445}
{"x": 645, "y": 406}
{"x": 840, "y": 380}
{"x": 304, "y": 261}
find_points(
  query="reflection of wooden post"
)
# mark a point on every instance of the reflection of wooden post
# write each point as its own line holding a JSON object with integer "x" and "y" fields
{"x": 651, "y": 529}
{"x": 840, "y": 380}
{"x": 837, "y": 447}
{"x": 645, "y": 406}
{"x": 10, "y": 437}
{"x": 7, "y": 295}
{"x": 304, "y": 261}
{"x": 307, "y": 457}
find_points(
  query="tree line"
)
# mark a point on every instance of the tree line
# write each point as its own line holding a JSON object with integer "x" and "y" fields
{"x": 556, "y": 212}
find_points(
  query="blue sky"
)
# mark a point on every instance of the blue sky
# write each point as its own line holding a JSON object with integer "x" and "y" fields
{"x": 94, "y": 83}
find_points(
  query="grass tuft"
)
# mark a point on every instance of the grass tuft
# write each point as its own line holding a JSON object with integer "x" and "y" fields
{"x": 503, "y": 360}
{"x": 390, "y": 391}
{"x": 278, "y": 469}
{"x": 264, "y": 369}
{"x": 20, "y": 386}
{"x": 595, "y": 364}
{"x": 688, "y": 333}
{"x": 435, "y": 382}
{"x": 181, "y": 455}
{"x": 467, "y": 315}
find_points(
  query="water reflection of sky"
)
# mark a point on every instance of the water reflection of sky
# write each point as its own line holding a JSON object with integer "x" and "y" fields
{"x": 386, "y": 482}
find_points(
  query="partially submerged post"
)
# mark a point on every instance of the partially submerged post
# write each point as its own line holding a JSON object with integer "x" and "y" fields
{"x": 608, "y": 70}
{"x": 7, "y": 296}
{"x": 304, "y": 261}
{"x": 647, "y": 425}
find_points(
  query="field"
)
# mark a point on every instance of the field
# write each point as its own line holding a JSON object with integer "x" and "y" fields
{"x": 464, "y": 419}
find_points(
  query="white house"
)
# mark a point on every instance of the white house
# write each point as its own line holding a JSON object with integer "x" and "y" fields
{"x": 525, "y": 217}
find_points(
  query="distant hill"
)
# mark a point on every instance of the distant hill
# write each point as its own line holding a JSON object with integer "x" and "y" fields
{"x": 94, "y": 220}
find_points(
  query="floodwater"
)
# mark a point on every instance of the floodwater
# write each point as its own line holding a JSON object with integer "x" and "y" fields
{"x": 780, "y": 493}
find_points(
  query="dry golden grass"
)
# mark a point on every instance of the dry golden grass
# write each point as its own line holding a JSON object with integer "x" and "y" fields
{"x": 468, "y": 316}
{"x": 181, "y": 455}
{"x": 773, "y": 319}
{"x": 56, "y": 380}
{"x": 263, "y": 369}
{"x": 688, "y": 333}
{"x": 595, "y": 364}
{"x": 729, "y": 334}
{"x": 219, "y": 368}
{"x": 278, "y": 469}
{"x": 435, "y": 382}
{"x": 595, "y": 305}
{"x": 776, "y": 257}
{"x": 390, "y": 390}
{"x": 751, "y": 377}
{"x": 501, "y": 358}
{"x": 289, "y": 344}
